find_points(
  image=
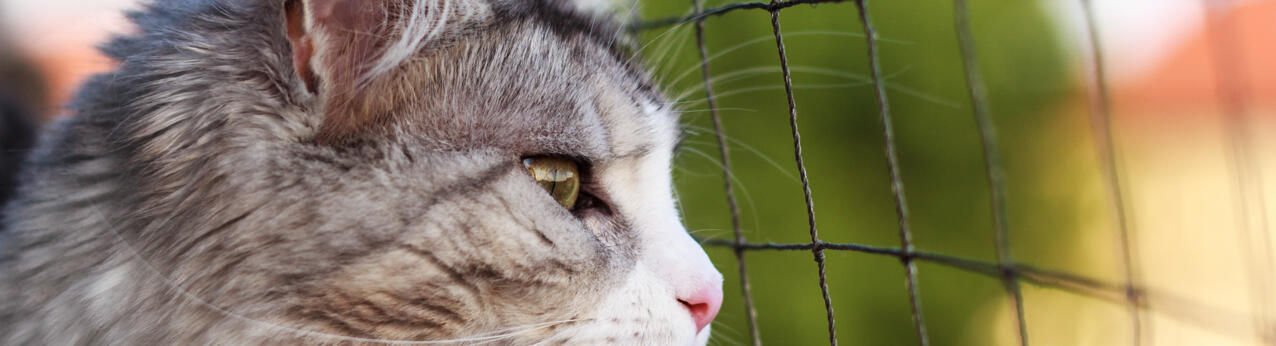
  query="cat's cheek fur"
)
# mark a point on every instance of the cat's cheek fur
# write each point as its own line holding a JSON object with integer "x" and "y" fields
{"x": 640, "y": 312}
{"x": 670, "y": 266}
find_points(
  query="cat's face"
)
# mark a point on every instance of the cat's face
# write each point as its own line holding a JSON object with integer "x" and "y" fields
{"x": 404, "y": 209}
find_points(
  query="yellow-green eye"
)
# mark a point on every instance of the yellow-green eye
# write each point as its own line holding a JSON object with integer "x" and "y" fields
{"x": 560, "y": 177}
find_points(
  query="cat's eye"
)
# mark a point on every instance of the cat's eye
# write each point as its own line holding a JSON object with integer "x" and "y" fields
{"x": 558, "y": 176}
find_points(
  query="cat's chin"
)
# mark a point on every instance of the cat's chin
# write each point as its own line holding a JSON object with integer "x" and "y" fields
{"x": 703, "y": 337}
{"x": 642, "y": 311}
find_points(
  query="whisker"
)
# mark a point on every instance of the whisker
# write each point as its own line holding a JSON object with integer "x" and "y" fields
{"x": 751, "y": 110}
{"x": 755, "y": 151}
{"x": 723, "y": 337}
{"x": 748, "y": 198}
{"x": 666, "y": 55}
{"x": 727, "y": 77}
{"x": 893, "y": 86}
{"x": 760, "y": 70}
{"x": 769, "y": 38}
{"x": 706, "y": 230}
{"x": 626, "y": 21}
{"x": 748, "y": 90}
{"x": 708, "y": 233}
{"x": 688, "y": 172}
{"x": 677, "y": 202}
{"x": 860, "y": 80}
{"x": 661, "y": 39}
{"x": 719, "y": 326}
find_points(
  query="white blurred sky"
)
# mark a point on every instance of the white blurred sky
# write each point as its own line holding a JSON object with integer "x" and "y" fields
{"x": 36, "y": 18}
{"x": 1136, "y": 33}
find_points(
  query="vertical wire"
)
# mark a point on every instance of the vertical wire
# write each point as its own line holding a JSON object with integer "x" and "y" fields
{"x": 751, "y": 314}
{"x": 1232, "y": 93}
{"x": 816, "y": 245}
{"x": 1101, "y": 124}
{"x": 992, "y": 161}
{"x": 892, "y": 164}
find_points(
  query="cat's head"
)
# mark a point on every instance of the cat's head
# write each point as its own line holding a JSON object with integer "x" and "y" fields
{"x": 388, "y": 172}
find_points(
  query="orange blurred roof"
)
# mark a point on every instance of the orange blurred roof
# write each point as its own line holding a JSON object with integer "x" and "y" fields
{"x": 1187, "y": 79}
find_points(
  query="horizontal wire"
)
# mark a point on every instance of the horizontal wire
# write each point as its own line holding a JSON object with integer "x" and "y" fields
{"x": 767, "y": 6}
{"x": 1177, "y": 307}
{"x": 1032, "y": 274}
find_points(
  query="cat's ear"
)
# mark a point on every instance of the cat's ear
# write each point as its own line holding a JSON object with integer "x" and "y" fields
{"x": 346, "y": 51}
{"x": 333, "y": 42}
{"x": 333, "y": 39}
{"x": 302, "y": 43}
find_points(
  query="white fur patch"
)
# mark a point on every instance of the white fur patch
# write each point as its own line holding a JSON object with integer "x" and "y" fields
{"x": 104, "y": 293}
{"x": 671, "y": 264}
{"x": 604, "y": 7}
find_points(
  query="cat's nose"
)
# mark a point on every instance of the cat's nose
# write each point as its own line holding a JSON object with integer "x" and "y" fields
{"x": 704, "y": 304}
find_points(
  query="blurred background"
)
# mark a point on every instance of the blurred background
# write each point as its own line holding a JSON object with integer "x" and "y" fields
{"x": 1196, "y": 188}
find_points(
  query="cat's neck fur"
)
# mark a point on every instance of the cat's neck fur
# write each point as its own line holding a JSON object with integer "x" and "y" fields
{"x": 105, "y": 177}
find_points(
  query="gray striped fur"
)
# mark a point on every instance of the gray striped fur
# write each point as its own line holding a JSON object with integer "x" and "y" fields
{"x": 186, "y": 201}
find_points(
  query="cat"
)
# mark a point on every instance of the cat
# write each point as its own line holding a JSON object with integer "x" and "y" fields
{"x": 358, "y": 172}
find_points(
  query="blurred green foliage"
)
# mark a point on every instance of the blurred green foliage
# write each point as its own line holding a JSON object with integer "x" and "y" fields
{"x": 1029, "y": 76}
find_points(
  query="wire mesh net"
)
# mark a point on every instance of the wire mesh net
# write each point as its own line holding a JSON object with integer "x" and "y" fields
{"x": 1130, "y": 291}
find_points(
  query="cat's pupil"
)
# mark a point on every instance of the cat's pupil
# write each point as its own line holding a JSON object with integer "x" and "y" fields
{"x": 558, "y": 176}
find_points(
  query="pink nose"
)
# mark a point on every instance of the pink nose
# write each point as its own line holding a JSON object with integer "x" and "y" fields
{"x": 703, "y": 305}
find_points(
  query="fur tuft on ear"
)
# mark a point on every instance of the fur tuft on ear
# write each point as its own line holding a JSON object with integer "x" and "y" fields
{"x": 343, "y": 48}
{"x": 302, "y": 44}
{"x": 622, "y": 11}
